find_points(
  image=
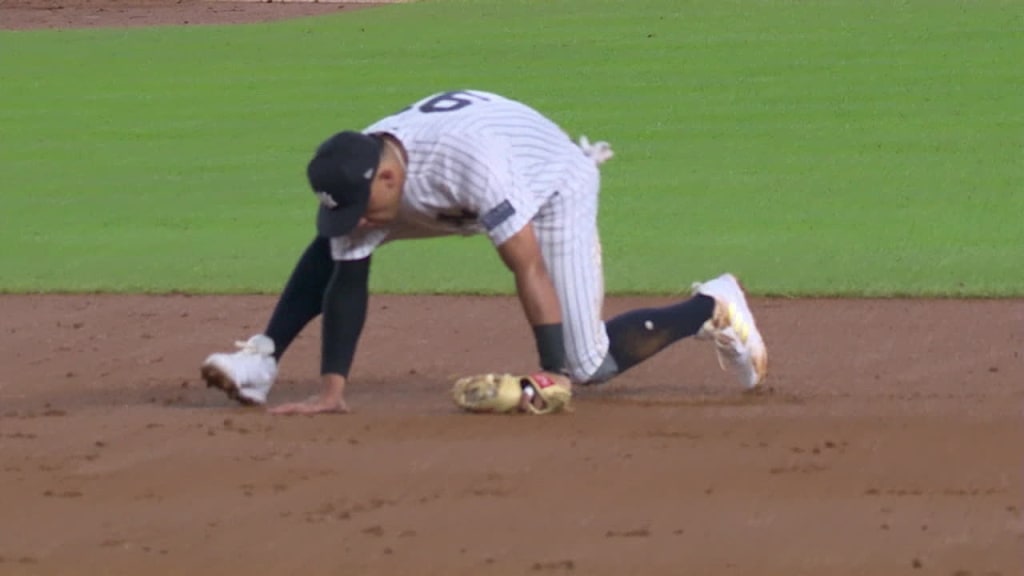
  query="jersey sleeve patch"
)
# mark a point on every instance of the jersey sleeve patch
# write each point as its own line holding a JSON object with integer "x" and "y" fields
{"x": 498, "y": 215}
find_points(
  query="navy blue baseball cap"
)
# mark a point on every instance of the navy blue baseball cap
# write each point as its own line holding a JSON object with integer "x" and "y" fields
{"x": 340, "y": 174}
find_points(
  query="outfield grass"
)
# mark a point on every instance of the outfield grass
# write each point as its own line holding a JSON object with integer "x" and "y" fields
{"x": 826, "y": 148}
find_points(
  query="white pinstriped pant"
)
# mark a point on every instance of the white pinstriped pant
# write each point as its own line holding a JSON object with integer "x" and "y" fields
{"x": 566, "y": 228}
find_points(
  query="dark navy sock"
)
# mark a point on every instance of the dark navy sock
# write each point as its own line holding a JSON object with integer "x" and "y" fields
{"x": 302, "y": 298}
{"x": 639, "y": 334}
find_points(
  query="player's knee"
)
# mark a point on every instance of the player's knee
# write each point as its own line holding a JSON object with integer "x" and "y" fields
{"x": 605, "y": 372}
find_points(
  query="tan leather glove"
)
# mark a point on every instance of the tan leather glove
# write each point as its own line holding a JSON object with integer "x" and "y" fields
{"x": 508, "y": 394}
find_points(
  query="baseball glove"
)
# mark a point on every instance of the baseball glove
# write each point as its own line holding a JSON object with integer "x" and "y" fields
{"x": 509, "y": 394}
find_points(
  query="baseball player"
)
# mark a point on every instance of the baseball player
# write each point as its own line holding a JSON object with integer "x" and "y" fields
{"x": 471, "y": 162}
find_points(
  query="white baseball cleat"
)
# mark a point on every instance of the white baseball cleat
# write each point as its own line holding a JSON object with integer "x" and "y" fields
{"x": 245, "y": 376}
{"x": 737, "y": 340}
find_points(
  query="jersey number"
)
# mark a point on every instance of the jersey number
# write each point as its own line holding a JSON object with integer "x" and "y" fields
{"x": 450, "y": 102}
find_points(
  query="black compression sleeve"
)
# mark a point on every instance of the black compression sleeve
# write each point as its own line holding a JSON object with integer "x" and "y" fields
{"x": 550, "y": 347}
{"x": 302, "y": 297}
{"x": 344, "y": 312}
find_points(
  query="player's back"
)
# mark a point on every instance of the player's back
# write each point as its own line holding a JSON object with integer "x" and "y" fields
{"x": 471, "y": 120}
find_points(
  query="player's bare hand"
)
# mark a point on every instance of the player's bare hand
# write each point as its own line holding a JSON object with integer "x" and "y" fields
{"x": 319, "y": 404}
{"x": 331, "y": 399}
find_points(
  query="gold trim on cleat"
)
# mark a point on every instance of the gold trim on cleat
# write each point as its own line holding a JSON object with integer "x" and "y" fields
{"x": 738, "y": 323}
{"x": 761, "y": 367}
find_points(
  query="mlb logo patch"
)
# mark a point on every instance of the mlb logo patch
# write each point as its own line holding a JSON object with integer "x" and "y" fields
{"x": 326, "y": 200}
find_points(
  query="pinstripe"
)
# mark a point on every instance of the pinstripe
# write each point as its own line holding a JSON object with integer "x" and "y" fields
{"x": 493, "y": 151}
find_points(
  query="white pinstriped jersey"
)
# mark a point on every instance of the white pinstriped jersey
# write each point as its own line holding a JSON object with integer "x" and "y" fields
{"x": 481, "y": 163}
{"x": 477, "y": 163}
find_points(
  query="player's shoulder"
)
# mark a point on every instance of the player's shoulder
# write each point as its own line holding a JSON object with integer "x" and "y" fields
{"x": 454, "y": 104}
{"x": 461, "y": 120}
{"x": 442, "y": 113}
{"x": 452, "y": 98}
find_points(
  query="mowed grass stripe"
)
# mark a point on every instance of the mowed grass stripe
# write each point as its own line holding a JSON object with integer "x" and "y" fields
{"x": 823, "y": 148}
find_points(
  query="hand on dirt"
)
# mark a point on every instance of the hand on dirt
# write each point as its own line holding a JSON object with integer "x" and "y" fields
{"x": 313, "y": 405}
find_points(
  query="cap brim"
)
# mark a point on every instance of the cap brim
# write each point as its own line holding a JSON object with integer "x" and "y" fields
{"x": 339, "y": 222}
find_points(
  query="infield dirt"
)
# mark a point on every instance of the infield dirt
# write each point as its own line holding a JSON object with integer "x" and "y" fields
{"x": 887, "y": 441}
